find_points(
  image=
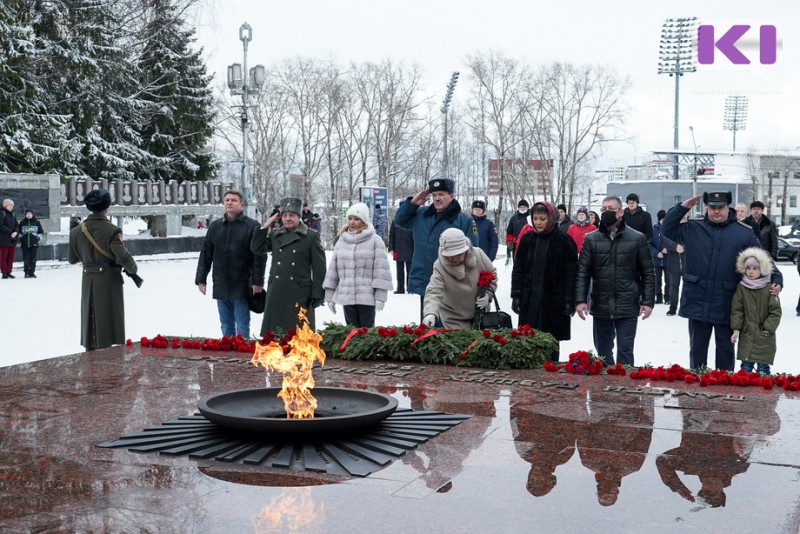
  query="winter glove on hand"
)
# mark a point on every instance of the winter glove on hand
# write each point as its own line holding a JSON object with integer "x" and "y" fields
{"x": 515, "y": 306}
{"x": 379, "y": 305}
{"x": 429, "y": 320}
{"x": 332, "y": 307}
{"x": 314, "y": 303}
{"x": 482, "y": 301}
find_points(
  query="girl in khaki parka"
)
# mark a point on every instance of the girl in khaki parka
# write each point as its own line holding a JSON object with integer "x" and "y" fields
{"x": 755, "y": 314}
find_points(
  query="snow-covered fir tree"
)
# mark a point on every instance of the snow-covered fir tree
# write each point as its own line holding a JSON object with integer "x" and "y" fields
{"x": 32, "y": 137}
{"x": 178, "y": 121}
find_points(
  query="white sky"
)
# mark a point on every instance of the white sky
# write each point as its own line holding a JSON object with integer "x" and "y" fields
{"x": 624, "y": 34}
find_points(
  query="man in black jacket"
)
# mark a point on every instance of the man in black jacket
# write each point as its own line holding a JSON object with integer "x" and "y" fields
{"x": 765, "y": 230}
{"x": 637, "y": 218}
{"x": 238, "y": 272}
{"x": 518, "y": 220}
{"x": 617, "y": 261}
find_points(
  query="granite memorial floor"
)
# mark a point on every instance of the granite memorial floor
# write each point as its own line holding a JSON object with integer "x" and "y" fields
{"x": 540, "y": 452}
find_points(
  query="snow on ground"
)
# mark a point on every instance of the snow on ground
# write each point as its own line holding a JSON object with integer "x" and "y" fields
{"x": 42, "y": 315}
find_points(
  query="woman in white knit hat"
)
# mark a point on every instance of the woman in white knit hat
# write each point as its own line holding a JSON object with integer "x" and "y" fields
{"x": 358, "y": 277}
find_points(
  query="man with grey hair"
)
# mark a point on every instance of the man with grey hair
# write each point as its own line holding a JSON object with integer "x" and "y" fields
{"x": 616, "y": 260}
{"x": 741, "y": 211}
{"x": 8, "y": 238}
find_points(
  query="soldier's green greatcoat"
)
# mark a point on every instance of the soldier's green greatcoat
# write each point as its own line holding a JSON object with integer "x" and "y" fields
{"x": 102, "y": 304}
{"x": 295, "y": 275}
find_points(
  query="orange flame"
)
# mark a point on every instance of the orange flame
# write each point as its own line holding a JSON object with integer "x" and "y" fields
{"x": 296, "y": 367}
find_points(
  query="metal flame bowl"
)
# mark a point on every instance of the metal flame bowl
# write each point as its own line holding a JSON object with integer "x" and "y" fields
{"x": 261, "y": 411}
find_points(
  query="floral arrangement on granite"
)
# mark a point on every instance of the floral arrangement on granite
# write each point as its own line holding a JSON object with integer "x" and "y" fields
{"x": 518, "y": 348}
{"x": 236, "y": 343}
{"x": 586, "y": 363}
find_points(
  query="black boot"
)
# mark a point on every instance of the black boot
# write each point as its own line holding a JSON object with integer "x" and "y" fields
{"x": 659, "y": 300}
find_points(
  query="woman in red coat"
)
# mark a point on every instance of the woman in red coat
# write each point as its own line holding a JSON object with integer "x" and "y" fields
{"x": 579, "y": 230}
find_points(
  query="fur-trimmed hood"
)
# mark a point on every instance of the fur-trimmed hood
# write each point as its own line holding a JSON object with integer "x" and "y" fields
{"x": 763, "y": 257}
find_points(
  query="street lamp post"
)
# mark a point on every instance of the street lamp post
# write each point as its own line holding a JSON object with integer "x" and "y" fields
{"x": 676, "y": 57}
{"x": 244, "y": 82}
{"x": 451, "y": 86}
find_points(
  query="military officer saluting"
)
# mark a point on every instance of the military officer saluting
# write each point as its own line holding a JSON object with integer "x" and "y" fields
{"x": 97, "y": 244}
{"x": 297, "y": 269}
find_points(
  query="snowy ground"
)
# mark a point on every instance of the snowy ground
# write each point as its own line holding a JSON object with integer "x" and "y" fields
{"x": 42, "y": 315}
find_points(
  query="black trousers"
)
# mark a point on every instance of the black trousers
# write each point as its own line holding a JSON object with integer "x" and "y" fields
{"x": 29, "y": 259}
{"x": 606, "y": 330}
{"x": 403, "y": 270}
{"x": 674, "y": 289}
{"x": 700, "y": 336}
{"x": 359, "y": 315}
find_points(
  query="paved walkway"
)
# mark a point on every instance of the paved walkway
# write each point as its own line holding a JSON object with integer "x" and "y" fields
{"x": 540, "y": 452}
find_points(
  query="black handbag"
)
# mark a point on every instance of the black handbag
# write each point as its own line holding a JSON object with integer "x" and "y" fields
{"x": 492, "y": 320}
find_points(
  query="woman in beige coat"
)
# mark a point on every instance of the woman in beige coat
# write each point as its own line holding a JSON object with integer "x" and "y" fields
{"x": 452, "y": 293}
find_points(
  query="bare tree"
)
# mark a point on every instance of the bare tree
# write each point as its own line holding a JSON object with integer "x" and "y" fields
{"x": 584, "y": 109}
{"x": 494, "y": 109}
{"x": 301, "y": 80}
{"x": 389, "y": 94}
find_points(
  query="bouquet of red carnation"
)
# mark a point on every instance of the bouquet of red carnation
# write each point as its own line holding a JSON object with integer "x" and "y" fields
{"x": 485, "y": 279}
{"x": 510, "y": 242}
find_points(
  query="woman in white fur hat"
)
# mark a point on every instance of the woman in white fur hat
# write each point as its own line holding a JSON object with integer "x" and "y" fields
{"x": 755, "y": 313}
{"x": 358, "y": 277}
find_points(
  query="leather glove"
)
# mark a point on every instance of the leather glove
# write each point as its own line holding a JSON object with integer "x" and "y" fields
{"x": 482, "y": 301}
{"x": 429, "y": 320}
{"x": 515, "y": 306}
{"x": 379, "y": 305}
{"x": 332, "y": 307}
{"x": 314, "y": 303}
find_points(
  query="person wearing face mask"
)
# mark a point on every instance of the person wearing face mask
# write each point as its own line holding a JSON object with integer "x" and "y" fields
{"x": 617, "y": 261}
{"x": 543, "y": 279}
{"x": 517, "y": 221}
{"x": 452, "y": 293}
{"x": 358, "y": 275}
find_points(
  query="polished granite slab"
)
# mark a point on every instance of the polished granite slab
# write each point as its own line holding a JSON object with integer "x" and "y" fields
{"x": 540, "y": 452}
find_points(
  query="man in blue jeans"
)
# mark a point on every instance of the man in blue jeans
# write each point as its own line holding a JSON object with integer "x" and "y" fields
{"x": 616, "y": 260}
{"x": 238, "y": 273}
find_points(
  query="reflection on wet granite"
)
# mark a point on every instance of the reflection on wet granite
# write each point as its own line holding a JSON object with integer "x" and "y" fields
{"x": 617, "y": 455}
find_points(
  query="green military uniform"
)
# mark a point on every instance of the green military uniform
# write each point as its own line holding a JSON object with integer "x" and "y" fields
{"x": 295, "y": 276}
{"x": 102, "y": 304}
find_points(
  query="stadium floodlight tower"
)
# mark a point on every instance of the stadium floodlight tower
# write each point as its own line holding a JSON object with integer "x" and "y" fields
{"x": 676, "y": 56}
{"x": 735, "y": 115}
{"x": 451, "y": 86}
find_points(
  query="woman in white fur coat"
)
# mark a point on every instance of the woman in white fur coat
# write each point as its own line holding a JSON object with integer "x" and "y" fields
{"x": 452, "y": 293}
{"x": 358, "y": 277}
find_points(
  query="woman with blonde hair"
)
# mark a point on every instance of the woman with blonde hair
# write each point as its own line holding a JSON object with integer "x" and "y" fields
{"x": 358, "y": 277}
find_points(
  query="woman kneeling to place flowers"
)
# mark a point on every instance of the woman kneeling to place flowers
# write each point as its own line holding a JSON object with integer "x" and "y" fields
{"x": 543, "y": 279}
{"x": 452, "y": 296}
{"x": 358, "y": 277}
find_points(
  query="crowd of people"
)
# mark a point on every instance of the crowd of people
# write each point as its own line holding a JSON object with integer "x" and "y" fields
{"x": 615, "y": 266}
